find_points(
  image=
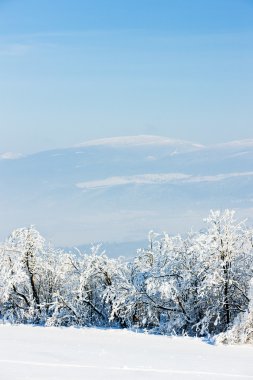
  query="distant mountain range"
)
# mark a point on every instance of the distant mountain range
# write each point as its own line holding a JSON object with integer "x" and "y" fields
{"x": 117, "y": 189}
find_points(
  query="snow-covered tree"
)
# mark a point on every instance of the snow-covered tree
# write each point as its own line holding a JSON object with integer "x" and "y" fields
{"x": 158, "y": 288}
{"x": 82, "y": 300}
{"x": 197, "y": 284}
{"x": 225, "y": 261}
{"x": 28, "y": 276}
{"x": 242, "y": 330}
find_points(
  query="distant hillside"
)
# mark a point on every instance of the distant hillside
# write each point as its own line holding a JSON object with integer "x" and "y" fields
{"x": 117, "y": 189}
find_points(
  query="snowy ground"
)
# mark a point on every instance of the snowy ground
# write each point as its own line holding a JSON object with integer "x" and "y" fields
{"x": 34, "y": 353}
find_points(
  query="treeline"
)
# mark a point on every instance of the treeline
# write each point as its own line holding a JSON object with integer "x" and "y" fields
{"x": 196, "y": 285}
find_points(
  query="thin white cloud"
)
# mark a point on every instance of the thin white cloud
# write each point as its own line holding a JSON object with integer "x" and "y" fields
{"x": 136, "y": 179}
{"x": 10, "y": 156}
{"x": 236, "y": 144}
{"x": 219, "y": 177}
{"x": 162, "y": 178}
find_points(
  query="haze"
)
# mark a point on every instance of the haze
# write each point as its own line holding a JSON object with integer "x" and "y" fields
{"x": 71, "y": 71}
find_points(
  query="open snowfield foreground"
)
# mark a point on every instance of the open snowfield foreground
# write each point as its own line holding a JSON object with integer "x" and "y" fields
{"x": 34, "y": 353}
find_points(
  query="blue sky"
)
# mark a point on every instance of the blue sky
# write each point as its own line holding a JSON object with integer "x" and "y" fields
{"x": 77, "y": 70}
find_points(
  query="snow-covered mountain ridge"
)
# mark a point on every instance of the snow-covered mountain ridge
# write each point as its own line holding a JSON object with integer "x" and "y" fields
{"x": 140, "y": 140}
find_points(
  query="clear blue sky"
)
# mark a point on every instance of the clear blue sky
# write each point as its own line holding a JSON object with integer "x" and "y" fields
{"x": 72, "y": 70}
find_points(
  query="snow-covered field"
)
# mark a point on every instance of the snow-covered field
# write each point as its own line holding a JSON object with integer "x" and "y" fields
{"x": 34, "y": 353}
